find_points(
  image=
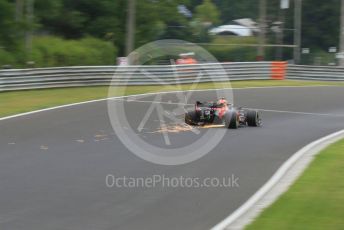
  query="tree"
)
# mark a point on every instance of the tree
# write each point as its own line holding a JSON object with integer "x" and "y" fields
{"x": 174, "y": 24}
{"x": 106, "y": 19}
{"x": 8, "y": 38}
{"x": 234, "y": 9}
{"x": 207, "y": 13}
{"x": 320, "y": 26}
{"x": 160, "y": 19}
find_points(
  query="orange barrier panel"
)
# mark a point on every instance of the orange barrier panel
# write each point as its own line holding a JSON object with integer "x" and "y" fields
{"x": 278, "y": 70}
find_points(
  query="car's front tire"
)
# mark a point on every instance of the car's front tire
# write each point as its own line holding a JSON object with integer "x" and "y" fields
{"x": 191, "y": 118}
{"x": 231, "y": 119}
{"x": 253, "y": 118}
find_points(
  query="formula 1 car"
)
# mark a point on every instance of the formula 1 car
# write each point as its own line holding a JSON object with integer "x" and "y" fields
{"x": 222, "y": 112}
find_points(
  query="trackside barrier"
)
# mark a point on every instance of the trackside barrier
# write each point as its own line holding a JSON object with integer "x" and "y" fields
{"x": 315, "y": 73}
{"x": 18, "y": 79}
{"x": 278, "y": 70}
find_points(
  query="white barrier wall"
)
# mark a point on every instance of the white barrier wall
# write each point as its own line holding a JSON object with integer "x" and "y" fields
{"x": 16, "y": 79}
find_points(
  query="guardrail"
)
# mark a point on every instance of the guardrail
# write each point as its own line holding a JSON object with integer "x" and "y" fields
{"x": 131, "y": 75}
{"x": 17, "y": 79}
{"x": 317, "y": 73}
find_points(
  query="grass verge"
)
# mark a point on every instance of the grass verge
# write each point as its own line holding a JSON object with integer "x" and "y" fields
{"x": 28, "y": 100}
{"x": 315, "y": 201}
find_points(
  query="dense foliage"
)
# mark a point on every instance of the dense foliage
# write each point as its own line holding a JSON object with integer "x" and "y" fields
{"x": 53, "y": 51}
{"x": 64, "y": 26}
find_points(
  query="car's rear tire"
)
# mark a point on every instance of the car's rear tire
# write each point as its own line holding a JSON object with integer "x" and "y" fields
{"x": 253, "y": 118}
{"x": 191, "y": 118}
{"x": 231, "y": 119}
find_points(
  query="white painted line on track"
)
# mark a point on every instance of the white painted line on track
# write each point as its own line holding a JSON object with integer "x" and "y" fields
{"x": 152, "y": 102}
{"x": 263, "y": 110}
{"x": 301, "y": 113}
{"x": 147, "y": 94}
{"x": 272, "y": 189}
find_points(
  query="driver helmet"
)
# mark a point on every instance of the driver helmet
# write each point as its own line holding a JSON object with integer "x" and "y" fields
{"x": 222, "y": 101}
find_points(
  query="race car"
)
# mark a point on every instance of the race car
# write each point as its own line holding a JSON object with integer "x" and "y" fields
{"x": 222, "y": 112}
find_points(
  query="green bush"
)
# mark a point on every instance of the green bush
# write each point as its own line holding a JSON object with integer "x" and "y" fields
{"x": 6, "y": 58}
{"x": 237, "y": 49}
{"x": 318, "y": 57}
{"x": 233, "y": 49}
{"x": 53, "y": 51}
{"x": 234, "y": 55}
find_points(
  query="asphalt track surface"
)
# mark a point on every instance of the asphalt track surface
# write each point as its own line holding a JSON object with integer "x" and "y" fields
{"x": 53, "y": 164}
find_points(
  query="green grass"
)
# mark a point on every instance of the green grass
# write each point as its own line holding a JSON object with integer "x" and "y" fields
{"x": 315, "y": 201}
{"x": 28, "y": 100}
